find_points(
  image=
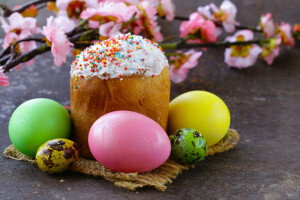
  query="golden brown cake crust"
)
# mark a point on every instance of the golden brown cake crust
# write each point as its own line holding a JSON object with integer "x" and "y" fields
{"x": 95, "y": 97}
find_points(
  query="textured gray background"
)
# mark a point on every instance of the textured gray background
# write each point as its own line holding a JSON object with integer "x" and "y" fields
{"x": 264, "y": 103}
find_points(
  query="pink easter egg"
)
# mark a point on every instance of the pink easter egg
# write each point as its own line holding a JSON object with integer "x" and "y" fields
{"x": 126, "y": 141}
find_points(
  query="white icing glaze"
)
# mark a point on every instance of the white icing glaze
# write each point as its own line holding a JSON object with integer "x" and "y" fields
{"x": 134, "y": 55}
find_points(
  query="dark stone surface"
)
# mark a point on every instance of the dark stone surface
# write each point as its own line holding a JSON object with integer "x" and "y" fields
{"x": 265, "y": 107}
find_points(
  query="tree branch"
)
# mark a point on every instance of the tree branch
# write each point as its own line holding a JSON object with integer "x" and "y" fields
{"x": 24, "y": 40}
{"x": 10, "y": 61}
{"x": 79, "y": 45}
{"x": 25, "y": 57}
{"x": 4, "y": 59}
{"x": 252, "y": 28}
{"x": 85, "y": 36}
{"x": 181, "y": 18}
{"x": 184, "y": 45}
{"x": 8, "y": 12}
{"x": 78, "y": 28}
{"x": 4, "y": 52}
{"x": 238, "y": 27}
{"x": 11, "y": 48}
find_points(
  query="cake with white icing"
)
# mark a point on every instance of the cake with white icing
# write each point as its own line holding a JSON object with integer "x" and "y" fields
{"x": 124, "y": 55}
{"x": 127, "y": 72}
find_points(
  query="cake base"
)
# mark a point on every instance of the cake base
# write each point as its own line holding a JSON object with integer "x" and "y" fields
{"x": 157, "y": 178}
{"x": 93, "y": 97}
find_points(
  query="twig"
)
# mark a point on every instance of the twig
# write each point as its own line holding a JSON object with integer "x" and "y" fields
{"x": 8, "y": 12}
{"x": 24, "y": 40}
{"x": 25, "y": 57}
{"x": 39, "y": 7}
{"x": 15, "y": 59}
{"x": 254, "y": 29}
{"x": 4, "y": 59}
{"x": 181, "y": 18}
{"x": 183, "y": 45}
{"x": 4, "y": 55}
{"x": 171, "y": 37}
{"x": 75, "y": 30}
{"x": 79, "y": 45}
{"x": 173, "y": 54}
{"x": 239, "y": 27}
{"x": 85, "y": 36}
{"x": 5, "y": 51}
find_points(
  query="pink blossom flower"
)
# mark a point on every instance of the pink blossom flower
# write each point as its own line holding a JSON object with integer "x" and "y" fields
{"x": 145, "y": 22}
{"x": 198, "y": 29}
{"x": 267, "y": 25}
{"x": 284, "y": 31}
{"x": 64, "y": 23}
{"x": 110, "y": 29}
{"x": 270, "y": 50}
{"x": 17, "y": 28}
{"x": 242, "y": 56}
{"x": 3, "y": 79}
{"x": 226, "y": 14}
{"x": 60, "y": 45}
{"x": 168, "y": 9}
{"x": 180, "y": 65}
{"x": 73, "y": 8}
{"x": 117, "y": 1}
{"x": 108, "y": 11}
{"x": 148, "y": 22}
{"x": 205, "y": 11}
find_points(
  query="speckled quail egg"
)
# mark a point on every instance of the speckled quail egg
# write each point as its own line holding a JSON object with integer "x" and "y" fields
{"x": 188, "y": 146}
{"x": 55, "y": 156}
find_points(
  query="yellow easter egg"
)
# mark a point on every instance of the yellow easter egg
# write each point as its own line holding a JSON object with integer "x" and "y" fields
{"x": 202, "y": 111}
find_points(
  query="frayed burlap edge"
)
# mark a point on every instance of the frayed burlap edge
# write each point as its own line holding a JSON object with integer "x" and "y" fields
{"x": 157, "y": 178}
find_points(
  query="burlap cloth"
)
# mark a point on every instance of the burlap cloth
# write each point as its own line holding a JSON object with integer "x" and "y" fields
{"x": 157, "y": 178}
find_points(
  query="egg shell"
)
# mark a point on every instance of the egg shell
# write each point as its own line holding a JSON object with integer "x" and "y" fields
{"x": 126, "y": 141}
{"x": 36, "y": 121}
{"x": 55, "y": 156}
{"x": 188, "y": 146}
{"x": 202, "y": 111}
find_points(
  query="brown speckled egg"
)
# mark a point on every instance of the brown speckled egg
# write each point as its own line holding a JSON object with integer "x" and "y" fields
{"x": 55, "y": 156}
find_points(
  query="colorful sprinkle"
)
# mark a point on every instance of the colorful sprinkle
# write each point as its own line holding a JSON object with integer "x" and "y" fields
{"x": 112, "y": 57}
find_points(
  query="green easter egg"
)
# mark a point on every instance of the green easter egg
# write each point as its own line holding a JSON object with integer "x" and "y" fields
{"x": 188, "y": 146}
{"x": 36, "y": 121}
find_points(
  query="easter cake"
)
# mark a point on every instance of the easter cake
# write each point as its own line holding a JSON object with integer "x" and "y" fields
{"x": 127, "y": 72}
